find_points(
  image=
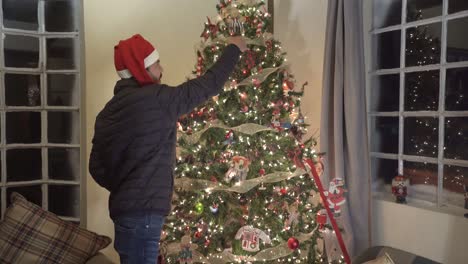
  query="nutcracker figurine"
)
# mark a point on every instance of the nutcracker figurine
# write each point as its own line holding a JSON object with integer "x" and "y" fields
{"x": 399, "y": 188}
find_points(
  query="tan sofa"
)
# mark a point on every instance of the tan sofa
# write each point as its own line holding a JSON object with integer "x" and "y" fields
{"x": 100, "y": 259}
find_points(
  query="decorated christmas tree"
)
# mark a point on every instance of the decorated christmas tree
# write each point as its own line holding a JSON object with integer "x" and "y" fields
{"x": 242, "y": 192}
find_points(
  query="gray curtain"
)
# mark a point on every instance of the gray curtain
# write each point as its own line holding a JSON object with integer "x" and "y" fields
{"x": 343, "y": 134}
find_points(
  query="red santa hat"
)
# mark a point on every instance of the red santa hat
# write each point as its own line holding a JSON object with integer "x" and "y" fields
{"x": 132, "y": 56}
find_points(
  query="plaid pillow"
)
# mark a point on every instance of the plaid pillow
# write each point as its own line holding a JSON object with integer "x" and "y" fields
{"x": 29, "y": 234}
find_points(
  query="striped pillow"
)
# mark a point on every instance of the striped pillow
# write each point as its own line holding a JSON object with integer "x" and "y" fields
{"x": 29, "y": 234}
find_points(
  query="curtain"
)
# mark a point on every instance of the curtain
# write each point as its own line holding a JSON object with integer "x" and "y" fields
{"x": 343, "y": 132}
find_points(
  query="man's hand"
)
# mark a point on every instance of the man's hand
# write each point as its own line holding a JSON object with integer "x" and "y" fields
{"x": 239, "y": 42}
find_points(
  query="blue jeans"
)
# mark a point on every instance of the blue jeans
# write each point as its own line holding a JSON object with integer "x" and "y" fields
{"x": 137, "y": 238}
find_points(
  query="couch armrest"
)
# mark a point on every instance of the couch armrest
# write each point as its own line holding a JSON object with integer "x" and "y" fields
{"x": 99, "y": 258}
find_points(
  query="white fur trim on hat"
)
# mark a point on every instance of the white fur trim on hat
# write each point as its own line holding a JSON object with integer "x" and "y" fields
{"x": 124, "y": 74}
{"x": 151, "y": 59}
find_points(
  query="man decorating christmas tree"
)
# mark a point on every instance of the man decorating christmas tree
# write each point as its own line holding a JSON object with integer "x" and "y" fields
{"x": 134, "y": 144}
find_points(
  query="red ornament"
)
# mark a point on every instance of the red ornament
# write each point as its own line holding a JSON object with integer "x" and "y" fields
{"x": 250, "y": 59}
{"x": 283, "y": 191}
{"x": 256, "y": 82}
{"x": 293, "y": 243}
{"x": 207, "y": 243}
{"x": 243, "y": 96}
{"x": 322, "y": 218}
{"x": 262, "y": 172}
{"x": 229, "y": 134}
{"x": 198, "y": 234}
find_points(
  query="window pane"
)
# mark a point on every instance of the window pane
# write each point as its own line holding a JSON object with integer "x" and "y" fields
{"x": 457, "y": 5}
{"x": 423, "y": 180}
{"x": 387, "y": 50}
{"x": 456, "y": 138}
{"x": 32, "y": 193}
{"x": 422, "y": 9}
{"x": 22, "y": 90}
{"x": 387, "y": 13}
{"x": 63, "y": 127}
{"x": 385, "y": 93}
{"x": 24, "y": 165}
{"x": 62, "y": 90}
{"x": 64, "y": 164}
{"x": 421, "y": 136}
{"x": 60, "y": 15}
{"x": 457, "y": 40}
{"x": 456, "y": 92}
{"x": 423, "y": 45}
{"x": 20, "y": 14}
{"x": 23, "y": 127}
{"x": 455, "y": 180}
{"x": 64, "y": 200}
{"x": 384, "y": 170}
{"x": 21, "y": 51}
{"x": 422, "y": 91}
{"x": 384, "y": 135}
{"x": 61, "y": 53}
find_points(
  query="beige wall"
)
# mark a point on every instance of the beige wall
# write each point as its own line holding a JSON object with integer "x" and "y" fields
{"x": 438, "y": 236}
{"x": 300, "y": 26}
{"x": 174, "y": 27}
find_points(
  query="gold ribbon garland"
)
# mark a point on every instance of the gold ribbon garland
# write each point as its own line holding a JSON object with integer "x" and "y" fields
{"x": 248, "y": 128}
{"x": 189, "y": 184}
{"x": 279, "y": 251}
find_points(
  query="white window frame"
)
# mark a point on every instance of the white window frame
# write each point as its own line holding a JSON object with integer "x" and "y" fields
{"x": 44, "y": 109}
{"x": 441, "y": 114}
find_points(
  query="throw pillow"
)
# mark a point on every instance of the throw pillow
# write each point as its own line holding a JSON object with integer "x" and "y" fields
{"x": 29, "y": 234}
{"x": 384, "y": 259}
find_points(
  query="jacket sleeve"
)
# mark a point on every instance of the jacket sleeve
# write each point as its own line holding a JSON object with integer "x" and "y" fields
{"x": 97, "y": 169}
{"x": 185, "y": 97}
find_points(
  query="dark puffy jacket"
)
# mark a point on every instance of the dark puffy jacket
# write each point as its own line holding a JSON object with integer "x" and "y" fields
{"x": 133, "y": 153}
